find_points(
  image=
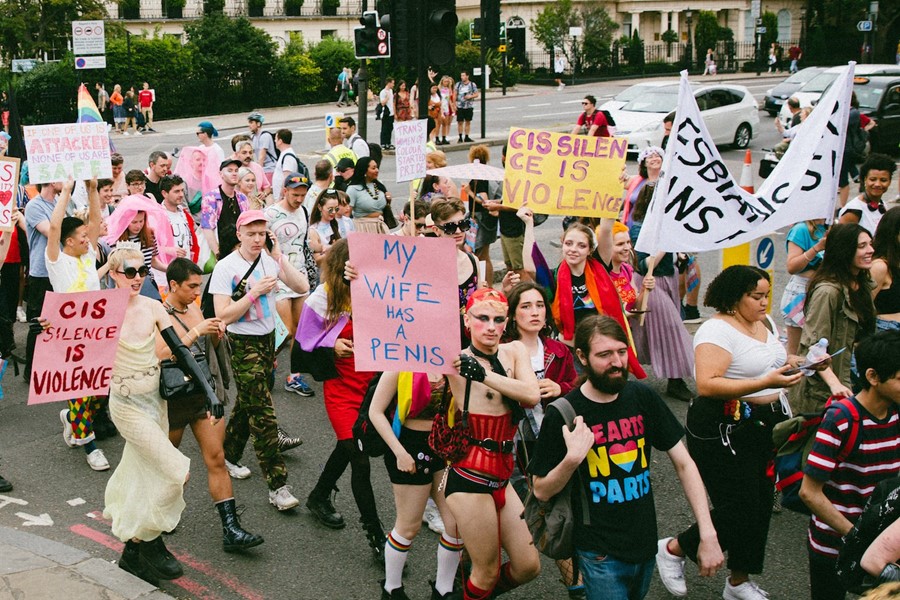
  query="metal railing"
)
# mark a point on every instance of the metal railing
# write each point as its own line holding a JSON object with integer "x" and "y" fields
{"x": 240, "y": 8}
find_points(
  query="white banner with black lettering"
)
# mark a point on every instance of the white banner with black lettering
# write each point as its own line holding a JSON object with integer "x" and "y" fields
{"x": 697, "y": 204}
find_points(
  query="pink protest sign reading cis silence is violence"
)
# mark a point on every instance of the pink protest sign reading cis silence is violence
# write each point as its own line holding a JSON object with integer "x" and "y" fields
{"x": 405, "y": 303}
{"x": 74, "y": 357}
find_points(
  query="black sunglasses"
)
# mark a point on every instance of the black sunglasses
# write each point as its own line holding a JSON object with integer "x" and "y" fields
{"x": 131, "y": 272}
{"x": 451, "y": 227}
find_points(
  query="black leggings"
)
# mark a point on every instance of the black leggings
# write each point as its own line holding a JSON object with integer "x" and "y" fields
{"x": 347, "y": 453}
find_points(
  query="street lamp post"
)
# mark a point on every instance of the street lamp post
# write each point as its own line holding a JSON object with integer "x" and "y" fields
{"x": 690, "y": 41}
{"x": 802, "y": 29}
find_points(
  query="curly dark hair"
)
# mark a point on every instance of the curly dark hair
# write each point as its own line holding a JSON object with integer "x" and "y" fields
{"x": 732, "y": 284}
{"x": 877, "y": 162}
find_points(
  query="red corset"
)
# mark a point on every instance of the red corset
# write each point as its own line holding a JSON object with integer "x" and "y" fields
{"x": 498, "y": 428}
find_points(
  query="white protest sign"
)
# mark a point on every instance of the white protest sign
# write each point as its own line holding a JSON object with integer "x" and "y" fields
{"x": 700, "y": 206}
{"x": 77, "y": 150}
{"x": 410, "y": 139}
{"x": 9, "y": 181}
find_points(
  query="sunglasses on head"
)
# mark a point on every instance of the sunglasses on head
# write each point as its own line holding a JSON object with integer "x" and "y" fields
{"x": 451, "y": 227}
{"x": 131, "y": 272}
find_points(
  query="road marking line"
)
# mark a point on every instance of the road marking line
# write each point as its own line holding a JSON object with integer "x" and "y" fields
{"x": 537, "y": 105}
{"x": 75, "y": 502}
{"x": 506, "y": 107}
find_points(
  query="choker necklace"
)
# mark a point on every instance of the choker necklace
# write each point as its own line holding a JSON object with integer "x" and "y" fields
{"x": 170, "y": 309}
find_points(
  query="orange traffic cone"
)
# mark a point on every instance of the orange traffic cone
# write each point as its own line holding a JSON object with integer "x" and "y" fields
{"x": 747, "y": 173}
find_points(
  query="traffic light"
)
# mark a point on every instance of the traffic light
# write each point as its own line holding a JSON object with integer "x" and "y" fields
{"x": 405, "y": 32}
{"x": 372, "y": 40}
{"x": 440, "y": 31}
{"x": 491, "y": 25}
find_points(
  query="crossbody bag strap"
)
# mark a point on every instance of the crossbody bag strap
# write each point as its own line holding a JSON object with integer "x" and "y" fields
{"x": 243, "y": 282}
{"x": 175, "y": 316}
{"x": 567, "y": 411}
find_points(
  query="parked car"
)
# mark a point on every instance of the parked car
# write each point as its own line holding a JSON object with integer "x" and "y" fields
{"x": 632, "y": 92}
{"x": 879, "y": 99}
{"x": 810, "y": 93}
{"x": 730, "y": 112}
{"x": 779, "y": 94}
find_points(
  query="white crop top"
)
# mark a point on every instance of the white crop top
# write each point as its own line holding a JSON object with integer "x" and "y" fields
{"x": 750, "y": 358}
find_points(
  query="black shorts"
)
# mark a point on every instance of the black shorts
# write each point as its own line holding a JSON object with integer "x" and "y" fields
{"x": 184, "y": 412}
{"x": 427, "y": 462}
{"x": 466, "y": 482}
{"x": 464, "y": 114}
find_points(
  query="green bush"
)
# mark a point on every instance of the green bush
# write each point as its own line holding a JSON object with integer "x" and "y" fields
{"x": 330, "y": 56}
{"x": 48, "y": 93}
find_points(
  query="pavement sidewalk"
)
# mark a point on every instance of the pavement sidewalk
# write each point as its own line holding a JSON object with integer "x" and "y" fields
{"x": 35, "y": 567}
{"x": 288, "y": 114}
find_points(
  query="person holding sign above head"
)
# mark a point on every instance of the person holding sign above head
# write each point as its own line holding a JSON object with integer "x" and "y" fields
{"x": 145, "y": 495}
{"x": 838, "y": 308}
{"x": 73, "y": 269}
{"x": 416, "y": 473}
{"x": 495, "y": 382}
{"x": 243, "y": 285}
{"x": 325, "y": 337}
{"x": 183, "y": 278}
{"x": 868, "y": 208}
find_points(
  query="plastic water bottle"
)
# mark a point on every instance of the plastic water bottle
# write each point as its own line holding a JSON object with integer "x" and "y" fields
{"x": 815, "y": 354}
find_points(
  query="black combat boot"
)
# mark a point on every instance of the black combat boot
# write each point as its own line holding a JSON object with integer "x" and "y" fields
{"x": 234, "y": 537}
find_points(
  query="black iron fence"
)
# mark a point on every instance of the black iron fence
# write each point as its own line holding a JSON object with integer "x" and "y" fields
{"x": 194, "y": 9}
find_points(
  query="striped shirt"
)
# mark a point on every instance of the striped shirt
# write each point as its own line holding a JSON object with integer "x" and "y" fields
{"x": 850, "y": 483}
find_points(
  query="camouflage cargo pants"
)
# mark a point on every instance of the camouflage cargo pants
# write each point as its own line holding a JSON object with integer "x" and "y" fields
{"x": 252, "y": 359}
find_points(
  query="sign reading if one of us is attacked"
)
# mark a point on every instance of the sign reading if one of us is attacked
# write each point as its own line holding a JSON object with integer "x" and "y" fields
{"x": 564, "y": 174}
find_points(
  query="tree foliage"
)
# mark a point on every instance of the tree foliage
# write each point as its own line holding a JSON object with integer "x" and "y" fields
{"x": 599, "y": 29}
{"x": 551, "y": 30}
{"x": 226, "y": 49}
{"x": 28, "y": 28}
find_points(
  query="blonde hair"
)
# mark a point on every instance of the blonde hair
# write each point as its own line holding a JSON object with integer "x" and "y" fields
{"x": 118, "y": 257}
{"x": 885, "y": 591}
{"x": 438, "y": 158}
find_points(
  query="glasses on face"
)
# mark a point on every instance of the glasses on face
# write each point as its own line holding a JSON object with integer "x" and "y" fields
{"x": 585, "y": 103}
{"x": 421, "y": 225}
{"x": 451, "y": 227}
{"x": 131, "y": 272}
{"x": 333, "y": 210}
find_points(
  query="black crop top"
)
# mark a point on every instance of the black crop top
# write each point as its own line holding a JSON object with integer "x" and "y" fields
{"x": 887, "y": 301}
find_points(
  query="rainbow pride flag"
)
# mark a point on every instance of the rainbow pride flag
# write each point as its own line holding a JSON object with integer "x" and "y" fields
{"x": 87, "y": 108}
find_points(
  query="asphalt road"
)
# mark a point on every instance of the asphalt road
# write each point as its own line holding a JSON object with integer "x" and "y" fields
{"x": 301, "y": 559}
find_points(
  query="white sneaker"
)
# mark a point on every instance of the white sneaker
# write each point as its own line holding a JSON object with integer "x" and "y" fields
{"x": 432, "y": 518}
{"x": 68, "y": 434}
{"x": 282, "y": 498}
{"x": 561, "y": 87}
{"x": 746, "y": 591}
{"x": 237, "y": 471}
{"x": 125, "y": 133}
{"x": 20, "y": 315}
{"x": 97, "y": 460}
{"x": 138, "y": 133}
{"x": 671, "y": 569}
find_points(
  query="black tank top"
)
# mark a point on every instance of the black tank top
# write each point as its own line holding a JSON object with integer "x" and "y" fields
{"x": 887, "y": 301}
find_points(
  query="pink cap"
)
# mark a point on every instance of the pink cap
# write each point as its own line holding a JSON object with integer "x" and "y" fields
{"x": 250, "y": 216}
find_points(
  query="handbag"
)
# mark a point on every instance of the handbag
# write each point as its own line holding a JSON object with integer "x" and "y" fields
{"x": 389, "y": 219}
{"x": 552, "y": 523}
{"x": 176, "y": 384}
{"x": 451, "y": 443}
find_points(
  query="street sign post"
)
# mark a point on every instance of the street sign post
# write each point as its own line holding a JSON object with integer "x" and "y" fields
{"x": 24, "y": 65}
{"x": 90, "y": 62}
{"x": 88, "y": 37}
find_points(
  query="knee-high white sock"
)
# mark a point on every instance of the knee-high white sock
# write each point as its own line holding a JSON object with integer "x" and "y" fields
{"x": 395, "y": 551}
{"x": 447, "y": 563}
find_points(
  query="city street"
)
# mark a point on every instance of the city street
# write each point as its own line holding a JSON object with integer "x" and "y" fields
{"x": 57, "y": 496}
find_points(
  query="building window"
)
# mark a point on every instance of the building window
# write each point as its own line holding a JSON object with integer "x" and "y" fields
{"x": 784, "y": 25}
{"x": 329, "y": 33}
{"x": 749, "y": 27}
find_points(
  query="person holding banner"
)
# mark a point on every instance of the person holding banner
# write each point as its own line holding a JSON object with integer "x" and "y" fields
{"x": 74, "y": 269}
{"x": 326, "y": 333}
{"x": 497, "y": 382}
{"x": 416, "y": 473}
{"x": 582, "y": 286}
{"x": 838, "y": 308}
{"x": 145, "y": 495}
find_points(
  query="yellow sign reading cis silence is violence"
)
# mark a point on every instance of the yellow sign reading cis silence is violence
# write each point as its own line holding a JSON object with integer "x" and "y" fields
{"x": 564, "y": 174}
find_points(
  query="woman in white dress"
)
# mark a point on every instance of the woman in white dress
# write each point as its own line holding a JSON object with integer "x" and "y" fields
{"x": 144, "y": 496}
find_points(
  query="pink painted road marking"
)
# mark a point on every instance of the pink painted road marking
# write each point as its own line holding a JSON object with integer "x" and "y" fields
{"x": 199, "y": 590}
{"x": 186, "y": 559}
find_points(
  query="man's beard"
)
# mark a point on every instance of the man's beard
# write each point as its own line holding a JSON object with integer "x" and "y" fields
{"x": 610, "y": 381}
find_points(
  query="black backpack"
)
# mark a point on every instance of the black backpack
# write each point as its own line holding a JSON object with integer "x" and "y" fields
{"x": 368, "y": 440}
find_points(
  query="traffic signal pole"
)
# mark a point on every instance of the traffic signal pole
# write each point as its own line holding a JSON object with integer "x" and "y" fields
{"x": 362, "y": 92}
{"x": 484, "y": 70}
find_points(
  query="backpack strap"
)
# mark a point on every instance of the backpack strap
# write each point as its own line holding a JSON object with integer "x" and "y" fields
{"x": 567, "y": 411}
{"x": 848, "y": 445}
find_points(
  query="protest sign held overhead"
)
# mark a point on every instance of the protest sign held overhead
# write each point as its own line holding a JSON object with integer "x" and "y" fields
{"x": 77, "y": 150}
{"x": 564, "y": 174}
{"x": 9, "y": 180}
{"x": 74, "y": 357}
{"x": 697, "y": 205}
{"x": 410, "y": 138}
{"x": 405, "y": 311}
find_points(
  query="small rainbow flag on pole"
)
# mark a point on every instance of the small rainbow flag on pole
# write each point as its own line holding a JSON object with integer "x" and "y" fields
{"x": 87, "y": 108}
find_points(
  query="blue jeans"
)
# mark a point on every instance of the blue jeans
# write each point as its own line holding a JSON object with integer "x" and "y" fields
{"x": 606, "y": 578}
